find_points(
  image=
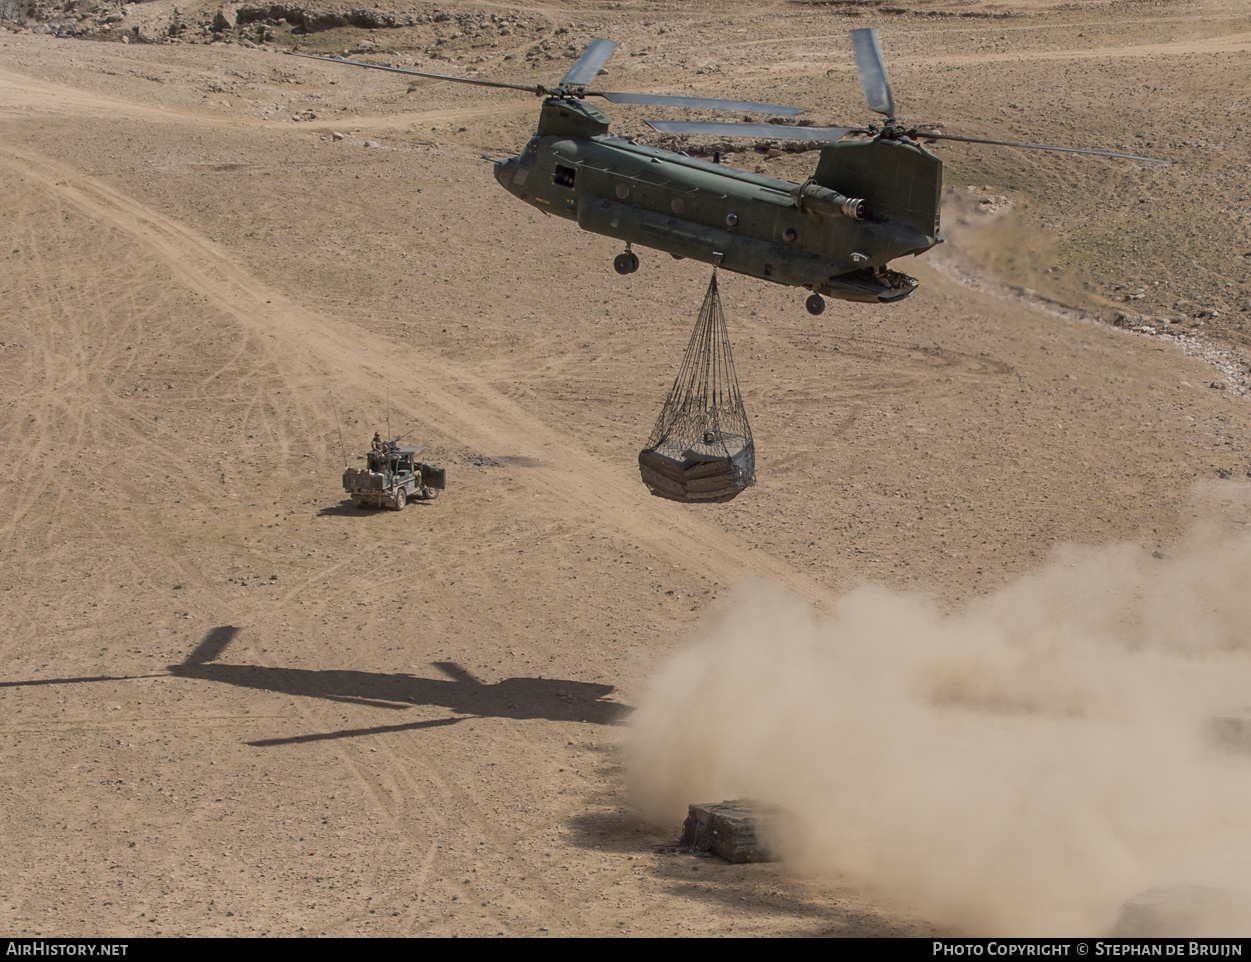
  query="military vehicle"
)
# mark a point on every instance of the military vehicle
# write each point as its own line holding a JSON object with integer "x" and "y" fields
{"x": 869, "y": 201}
{"x": 392, "y": 477}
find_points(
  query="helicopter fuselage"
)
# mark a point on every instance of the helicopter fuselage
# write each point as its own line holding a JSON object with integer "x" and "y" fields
{"x": 868, "y": 203}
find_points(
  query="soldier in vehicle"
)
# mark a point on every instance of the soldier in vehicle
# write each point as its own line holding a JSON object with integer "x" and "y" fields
{"x": 377, "y": 452}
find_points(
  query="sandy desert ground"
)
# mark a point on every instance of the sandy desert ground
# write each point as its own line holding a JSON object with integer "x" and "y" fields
{"x": 233, "y": 704}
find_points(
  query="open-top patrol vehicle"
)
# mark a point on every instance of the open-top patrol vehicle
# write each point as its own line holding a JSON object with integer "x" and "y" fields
{"x": 392, "y": 477}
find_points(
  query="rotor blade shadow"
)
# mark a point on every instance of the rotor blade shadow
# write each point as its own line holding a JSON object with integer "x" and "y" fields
{"x": 354, "y": 732}
{"x": 457, "y": 672}
{"x": 554, "y": 699}
{"x": 213, "y": 645}
{"x": 75, "y": 681}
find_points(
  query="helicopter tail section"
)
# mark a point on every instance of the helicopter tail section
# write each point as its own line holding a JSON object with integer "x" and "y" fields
{"x": 901, "y": 183}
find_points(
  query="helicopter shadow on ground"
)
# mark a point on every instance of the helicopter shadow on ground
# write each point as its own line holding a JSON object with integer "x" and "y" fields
{"x": 459, "y": 691}
{"x": 553, "y": 699}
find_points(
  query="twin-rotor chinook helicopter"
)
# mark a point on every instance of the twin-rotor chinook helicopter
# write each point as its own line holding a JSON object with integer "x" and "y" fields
{"x": 869, "y": 201}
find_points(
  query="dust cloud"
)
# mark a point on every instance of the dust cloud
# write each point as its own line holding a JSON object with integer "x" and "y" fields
{"x": 1022, "y": 768}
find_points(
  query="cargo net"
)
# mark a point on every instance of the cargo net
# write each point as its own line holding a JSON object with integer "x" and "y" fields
{"x": 701, "y": 447}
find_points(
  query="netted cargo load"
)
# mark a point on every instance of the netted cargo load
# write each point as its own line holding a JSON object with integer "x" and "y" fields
{"x": 701, "y": 447}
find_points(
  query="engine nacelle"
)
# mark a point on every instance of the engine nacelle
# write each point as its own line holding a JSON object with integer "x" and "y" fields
{"x": 812, "y": 198}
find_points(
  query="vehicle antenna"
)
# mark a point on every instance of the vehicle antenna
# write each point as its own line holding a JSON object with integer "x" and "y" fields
{"x": 340, "y": 428}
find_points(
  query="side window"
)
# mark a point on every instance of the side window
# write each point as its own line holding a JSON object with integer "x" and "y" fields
{"x": 564, "y": 176}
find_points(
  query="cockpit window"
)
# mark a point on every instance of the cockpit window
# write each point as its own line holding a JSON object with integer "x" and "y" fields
{"x": 525, "y": 163}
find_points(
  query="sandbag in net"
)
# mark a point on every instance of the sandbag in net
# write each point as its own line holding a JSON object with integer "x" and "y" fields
{"x": 701, "y": 447}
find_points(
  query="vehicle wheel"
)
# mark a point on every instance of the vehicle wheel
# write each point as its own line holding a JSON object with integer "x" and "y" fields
{"x": 634, "y": 261}
{"x": 815, "y": 304}
{"x": 622, "y": 265}
{"x": 401, "y": 499}
{"x": 429, "y": 493}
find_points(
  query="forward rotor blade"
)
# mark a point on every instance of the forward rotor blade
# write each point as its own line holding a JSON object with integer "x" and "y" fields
{"x": 588, "y": 66}
{"x": 920, "y": 135}
{"x": 872, "y": 68}
{"x": 423, "y": 73}
{"x": 710, "y": 103}
{"x": 770, "y": 131}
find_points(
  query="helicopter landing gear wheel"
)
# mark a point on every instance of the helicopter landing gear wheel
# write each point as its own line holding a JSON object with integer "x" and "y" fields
{"x": 626, "y": 263}
{"x": 815, "y": 304}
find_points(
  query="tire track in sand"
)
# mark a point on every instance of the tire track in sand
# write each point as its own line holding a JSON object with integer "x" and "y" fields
{"x": 464, "y": 406}
{"x": 20, "y": 91}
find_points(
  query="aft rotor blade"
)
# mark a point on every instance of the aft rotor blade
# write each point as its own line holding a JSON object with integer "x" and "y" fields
{"x": 921, "y": 135}
{"x": 424, "y": 73}
{"x": 588, "y": 66}
{"x": 872, "y": 68}
{"x": 771, "y": 131}
{"x": 710, "y": 103}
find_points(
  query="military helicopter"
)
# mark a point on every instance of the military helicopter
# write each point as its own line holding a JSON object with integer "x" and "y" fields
{"x": 870, "y": 200}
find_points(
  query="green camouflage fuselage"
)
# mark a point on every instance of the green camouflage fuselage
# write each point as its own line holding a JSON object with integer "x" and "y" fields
{"x": 868, "y": 203}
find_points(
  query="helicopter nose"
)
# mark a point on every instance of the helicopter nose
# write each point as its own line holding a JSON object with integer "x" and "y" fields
{"x": 504, "y": 171}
